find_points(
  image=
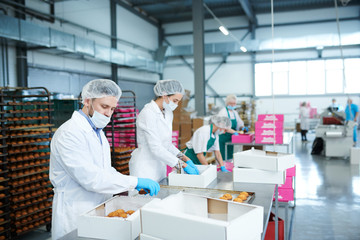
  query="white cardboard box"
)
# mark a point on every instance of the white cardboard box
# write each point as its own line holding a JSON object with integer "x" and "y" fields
{"x": 355, "y": 155}
{"x": 192, "y": 217}
{"x": 147, "y": 237}
{"x": 249, "y": 175}
{"x": 95, "y": 224}
{"x": 208, "y": 173}
{"x": 264, "y": 160}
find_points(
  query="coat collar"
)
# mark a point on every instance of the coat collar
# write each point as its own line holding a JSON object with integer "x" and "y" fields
{"x": 82, "y": 122}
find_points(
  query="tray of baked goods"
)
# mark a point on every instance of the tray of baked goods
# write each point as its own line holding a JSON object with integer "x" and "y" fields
{"x": 31, "y": 133}
{"x": 15, "y": 111}
{"x": 226, "y": 195}
{"x": 29, "y": 126}
{"x": 29, "y": 103}
{"x": 122, "y": 151}
{"x": 28, "y": 118}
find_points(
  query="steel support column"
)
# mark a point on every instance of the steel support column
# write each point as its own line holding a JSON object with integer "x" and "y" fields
{"x": 114, "y": 67}
{"x": 199, "y": 62}
{"x": 253, "y": 59}
{"x": 21, "y": 56}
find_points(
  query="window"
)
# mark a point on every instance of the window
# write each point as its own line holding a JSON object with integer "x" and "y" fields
{"x": 308, "y": 77}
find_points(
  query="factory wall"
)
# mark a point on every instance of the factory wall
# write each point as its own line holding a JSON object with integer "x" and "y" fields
{"x": 236, "y": 76}
{"x": 68, "y": 73}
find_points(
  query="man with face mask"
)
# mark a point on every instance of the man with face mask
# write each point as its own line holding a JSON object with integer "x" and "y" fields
{"x": 80, "y": 161}
{"x": 154, "y": 134}
{"x": 206, "y": 139}
{"x": 236, "y": 125}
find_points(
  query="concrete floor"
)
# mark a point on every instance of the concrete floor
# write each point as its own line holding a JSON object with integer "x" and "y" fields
{"x": 327, "y": 198}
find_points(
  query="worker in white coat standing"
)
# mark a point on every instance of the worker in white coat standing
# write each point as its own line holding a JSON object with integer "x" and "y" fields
{"x": 80, "y": 162}
{"x": 154, "y": 133}
{"x": 304, "y": 120}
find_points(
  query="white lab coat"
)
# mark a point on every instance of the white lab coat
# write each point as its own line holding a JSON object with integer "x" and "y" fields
{"x": 199, "y": 140}
{"x": 81, "y": 173}
{"x": 304, "y": 118}
{"x": 155, "y": 150}
{"x": 233, "y": 115}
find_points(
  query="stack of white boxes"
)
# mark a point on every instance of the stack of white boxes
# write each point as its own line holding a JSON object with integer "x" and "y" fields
{"x": 258, "y": 166}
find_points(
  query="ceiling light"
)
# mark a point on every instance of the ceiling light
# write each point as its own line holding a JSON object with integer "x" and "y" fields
{"x": 242, "y": 48}
{"x": 224, "y": 30}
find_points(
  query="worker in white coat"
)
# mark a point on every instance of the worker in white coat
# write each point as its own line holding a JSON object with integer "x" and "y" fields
{"x": 80, "y": 162}
{"x": 304, "y": 120}
{"x": 154, "y": 134}
{"x": 236, "y": 125}
{"x": 206, "y": 139}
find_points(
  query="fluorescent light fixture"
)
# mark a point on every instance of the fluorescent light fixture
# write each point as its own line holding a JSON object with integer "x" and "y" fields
{"x": 224, "y": 30}
{"x": 242, "y": 48}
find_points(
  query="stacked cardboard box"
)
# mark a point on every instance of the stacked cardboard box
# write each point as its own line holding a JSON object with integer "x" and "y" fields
{"x": 269, "y": 129}
{"x": 286, "y": 190}
{"x": 197, "y": 123}
{"x": 257, "y": 166}
{"x": 182, "y": 121}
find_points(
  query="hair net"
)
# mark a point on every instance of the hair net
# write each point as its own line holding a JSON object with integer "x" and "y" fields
{"x": 221, "y": 122}
{"x": 168, "y": 87}
{"x": 229, "y": 98}
{"x": 99, "y": 88}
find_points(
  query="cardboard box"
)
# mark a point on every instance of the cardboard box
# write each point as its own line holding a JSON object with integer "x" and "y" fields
{"x": 291, "y": 172}
{"x": 197, "y": 123}
{"x": 205, "y": 218}
{"x": 95, "y": 224}
{"x": 249, "y": 175}
{"x": 268, "y": 132}
{"x": 268, "y": 125}
{"x": 243, "y": 138}
{"x": 279, "y": 139}
{"x": 271, "y": 117}
{"x": 185, "y": 130}
{"x": 148, "y": 237}
{"x": 285, "y": 195}
{"x": 264, "y": 160}
{"x": 288, "y": 183}
{"x": 355, "y": 155}
{"x": 207, "y": 174}
{"x": 248, "y": 147}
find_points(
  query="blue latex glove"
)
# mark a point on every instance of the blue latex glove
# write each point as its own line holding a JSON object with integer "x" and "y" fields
{"x": 223, "y": 169}
{"x": 190, "y": 170}
{"x": 148, "y": 185}
{"x": 191, "y": 163}
{"x": 236, "y": 133}
{"x": 245, "y": 129}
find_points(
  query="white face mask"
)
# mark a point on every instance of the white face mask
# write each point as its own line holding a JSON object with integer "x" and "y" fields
{"x": 99, "y": 120}
{"x": 218, "y": 132}
{"x": 170, "y": 106}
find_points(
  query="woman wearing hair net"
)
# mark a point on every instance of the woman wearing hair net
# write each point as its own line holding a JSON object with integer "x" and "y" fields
{"x": 154, "y": 134}
{"x": 206, "y": 139}
{"x": 80, "y": 162}
{"x": 236, "y": 125}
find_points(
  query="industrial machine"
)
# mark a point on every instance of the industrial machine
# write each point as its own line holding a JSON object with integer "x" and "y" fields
{"x": 336, "y": 133}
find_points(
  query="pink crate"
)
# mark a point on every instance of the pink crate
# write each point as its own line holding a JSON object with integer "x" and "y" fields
{"x": 269, "y": 139}
{"x": 109, "y": 134}
{"x": 123, "y": 115}
{"x": 228, "y": 165}
{"x": 124, "y": 110}
{"x": 268, "y": 132}
{"x": 124, "y": 120}
{"x": 243, "y": 138}
{"x": 288, "y": 183}
{"x": 268, "y": 125}
{"x": 313, "y": 112}
{"x": 175, "y": 133}
{"x": 291, "y": 172}
{"x": 285, "y": 195}
{"x": 271, "y": 117}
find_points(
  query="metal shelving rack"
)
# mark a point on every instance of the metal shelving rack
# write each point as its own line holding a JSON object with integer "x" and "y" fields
{"x": 27, "y": 120}
{"x": 121, "y": 132}
{"x": 5, "y": 232}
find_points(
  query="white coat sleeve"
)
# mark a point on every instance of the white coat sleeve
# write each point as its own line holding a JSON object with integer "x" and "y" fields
{"x": 73, "y": 155}
{"x": 239, "y": 122}
{"x": 199, "y": 141}
{"x": 148, "y": 126}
